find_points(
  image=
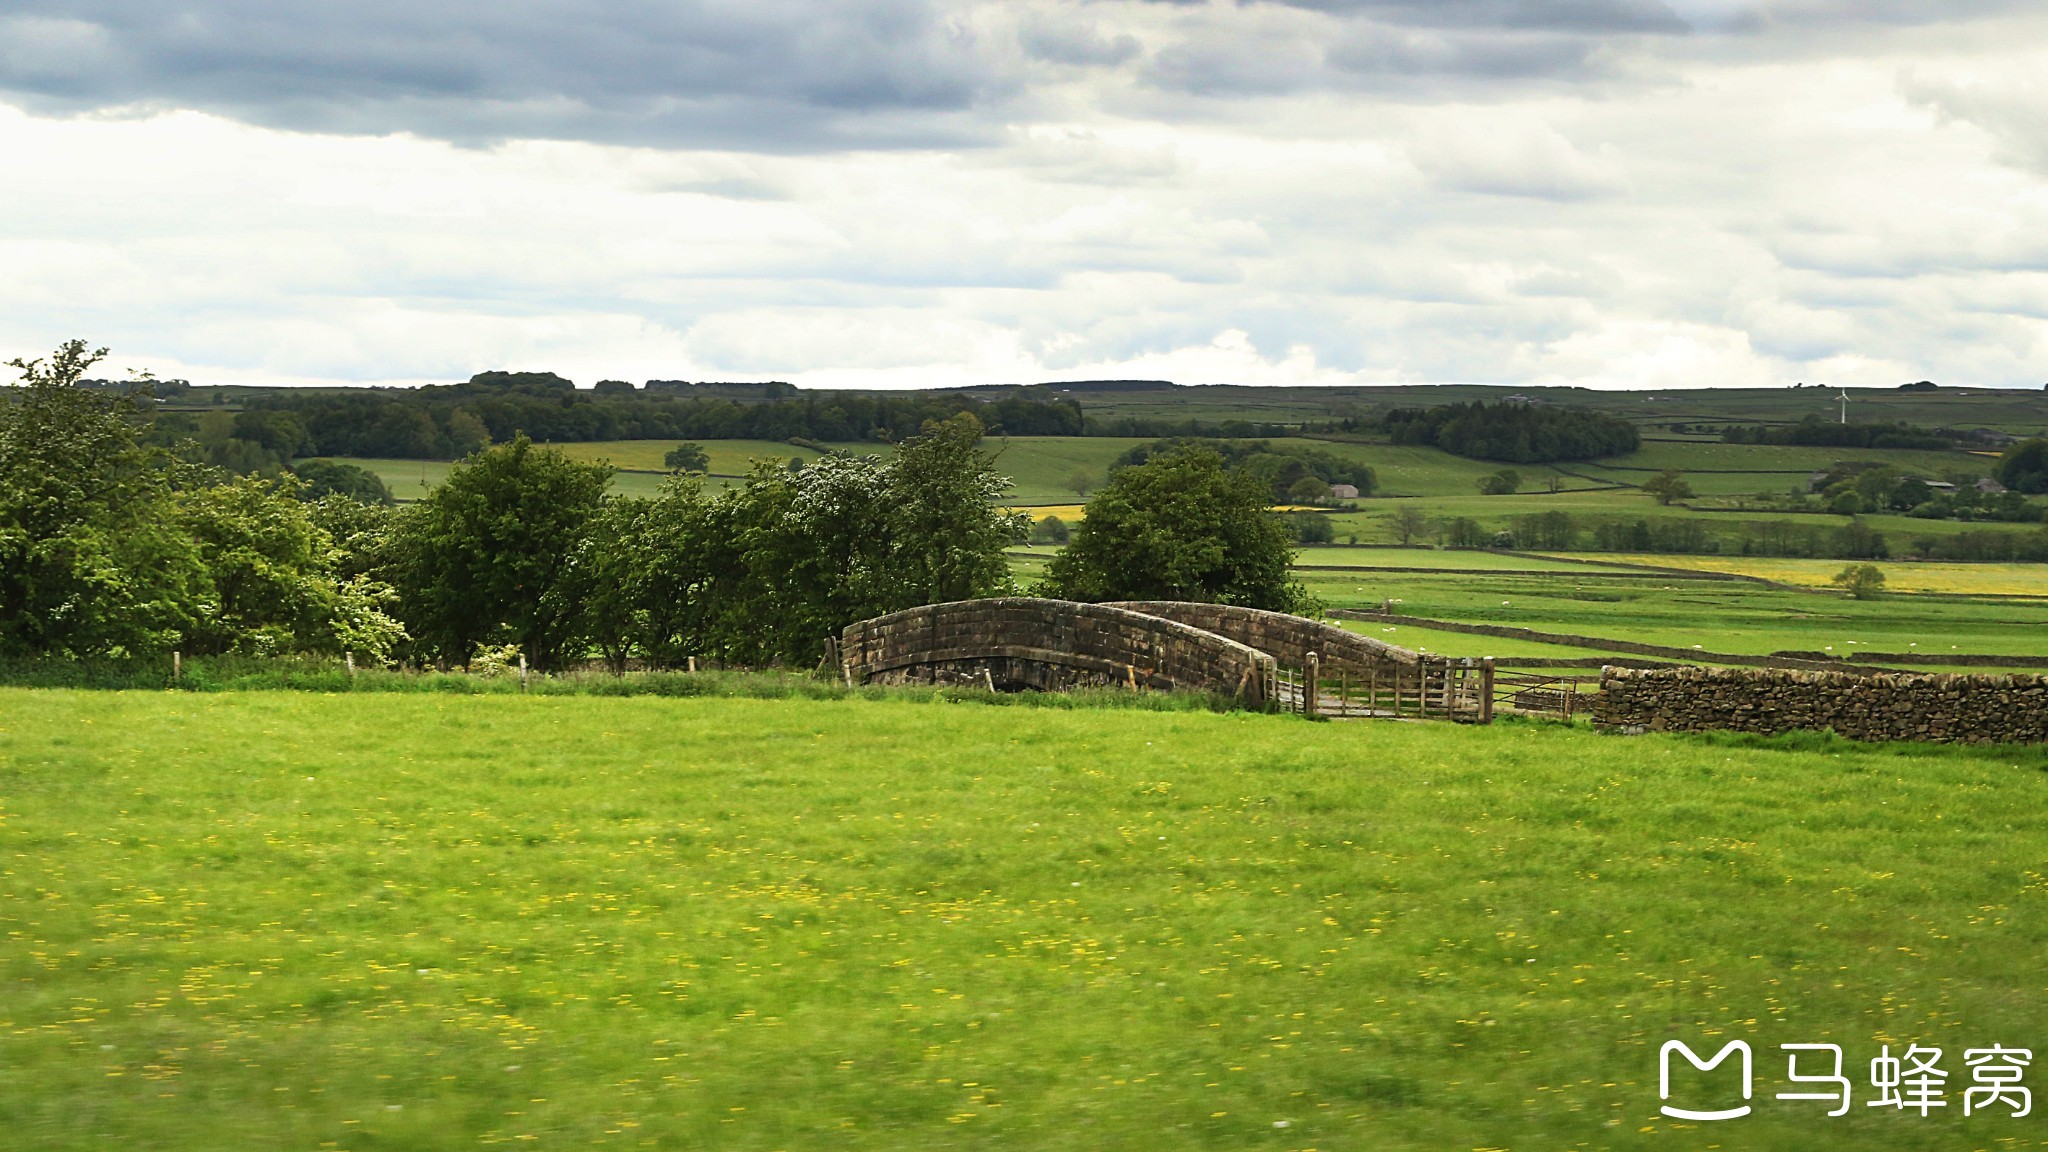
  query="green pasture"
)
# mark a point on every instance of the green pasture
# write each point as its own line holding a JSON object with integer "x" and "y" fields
{"x": 1372, "y": 520}
{"x": 1439, "y": 642}
{"x": 1461, "y": 559}
{"x": 1734, "y": 617}
{"x": 286, "y": 920}
{"x": 1715, "y": 456}
{"x": 1407, "y": 470}
{"x": 728, "y": 457}
{"x": 1040, "y": 467}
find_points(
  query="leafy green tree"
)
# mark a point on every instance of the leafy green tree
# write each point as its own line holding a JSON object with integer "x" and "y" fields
{"x": 611, "y": 563}
{"x": 2024, "y": 467}
{"x": 489, "y": 556}
{"x": 1311, "y": 528}
{"x": 1861, "y": 581}
{"x": 1308, "y": 490}
{"x": 1465, "y": 532}
{"x": 466, "y": 433}
{"x": 270, "y": 588}
{"x": 1180, "y": 526}
{"x": 946, "y": 528}
{"x": 90, "y": 565}
{"x": 1502, "y": 483}
{"x": 1082, "y": 482}
{"x": 687, "y": 458}
{"x": 1050, "y": 530}
{"x": 320, "y": 479}
{"x": 1408, "y": 523}
{"x": 675, "y": 562}
{"x": 1667, "y": 486}
{"x": 280, "y": 433}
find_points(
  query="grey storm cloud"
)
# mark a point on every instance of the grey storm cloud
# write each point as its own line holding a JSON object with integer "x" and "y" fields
{"x": 1582, "y": 16}
{"x": 772, "y": 74}
{"x": 810, "y": 75}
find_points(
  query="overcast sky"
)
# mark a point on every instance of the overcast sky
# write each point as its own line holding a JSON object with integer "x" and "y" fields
{"x": 1615, "y": 193}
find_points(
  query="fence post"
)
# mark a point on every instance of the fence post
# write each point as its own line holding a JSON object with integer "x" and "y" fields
{"x": 177, "y": 666}
{"x": 1486, "y": 691}
{"x": 522, "y": 671}
{"x": 350, "y": 657}
{"x": 1311, "y": 687}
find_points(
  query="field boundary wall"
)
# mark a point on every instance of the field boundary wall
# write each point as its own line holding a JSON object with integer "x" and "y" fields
{"x": 1605, "y": 644}
{"x": 1939, "y": 707}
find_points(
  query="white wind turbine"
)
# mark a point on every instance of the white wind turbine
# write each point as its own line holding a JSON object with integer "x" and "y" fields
{"x": 1844, "y": 398}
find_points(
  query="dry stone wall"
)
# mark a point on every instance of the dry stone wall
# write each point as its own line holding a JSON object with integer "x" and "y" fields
{"x": 1972, "y": 709}
{"x": 1026, "y": 642}
{"x": 1288, "y": 639}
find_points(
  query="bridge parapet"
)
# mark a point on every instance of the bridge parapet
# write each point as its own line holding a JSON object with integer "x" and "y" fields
{"x": 1288, "y": 639}
{"x": 1027, "y": 642}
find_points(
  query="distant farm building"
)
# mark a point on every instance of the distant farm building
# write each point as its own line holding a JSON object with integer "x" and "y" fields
{"x": 1343, "y": 492}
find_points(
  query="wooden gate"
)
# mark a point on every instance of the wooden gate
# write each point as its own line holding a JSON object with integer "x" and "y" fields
{"x": 1432, "y": 688}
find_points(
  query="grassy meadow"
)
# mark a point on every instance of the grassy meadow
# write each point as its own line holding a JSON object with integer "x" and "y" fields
{"x": 1714, "y": 615}
{"x": 289, "y": 920}
{"x": 1900, "y": 576}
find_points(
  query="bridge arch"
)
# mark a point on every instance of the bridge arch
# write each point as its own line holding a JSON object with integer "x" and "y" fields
{"x": 1028, "y": 642}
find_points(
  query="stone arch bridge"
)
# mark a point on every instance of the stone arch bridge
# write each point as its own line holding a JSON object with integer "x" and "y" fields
{"x": 1263, "y": 660}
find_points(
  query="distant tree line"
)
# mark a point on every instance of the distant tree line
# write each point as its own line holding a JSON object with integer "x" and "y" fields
{"x": 1290, "y": 471}
{"x": 445, "y": 423}
{"x": 1814, "y": 432}
{"x": 1515, "y": 433}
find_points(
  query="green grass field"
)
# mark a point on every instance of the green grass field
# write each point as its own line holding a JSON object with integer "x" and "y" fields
{"x": 1461, "y": 559}
{"x": 728, "y": 457}
{"x": 285, "y": 920}
{"x": 1717, "y": 617}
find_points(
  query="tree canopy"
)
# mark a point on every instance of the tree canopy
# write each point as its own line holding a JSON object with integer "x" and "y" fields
{"x": 2024, "y": 467}
{"x": 1516, "y": 433}
{"x": 1180, "y": 526}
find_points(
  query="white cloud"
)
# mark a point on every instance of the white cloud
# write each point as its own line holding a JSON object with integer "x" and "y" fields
{"x": 1607, "y": 192}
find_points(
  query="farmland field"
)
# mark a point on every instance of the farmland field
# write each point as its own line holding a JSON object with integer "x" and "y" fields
{"x": 1465, "y": 559}
{"x": 1714, "y": 616}
{"x": 369, "y": 921}
{"x": 1900, "y": 576}
{"x": 728, "y": 457}
{"x": 1440, "y": 642}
